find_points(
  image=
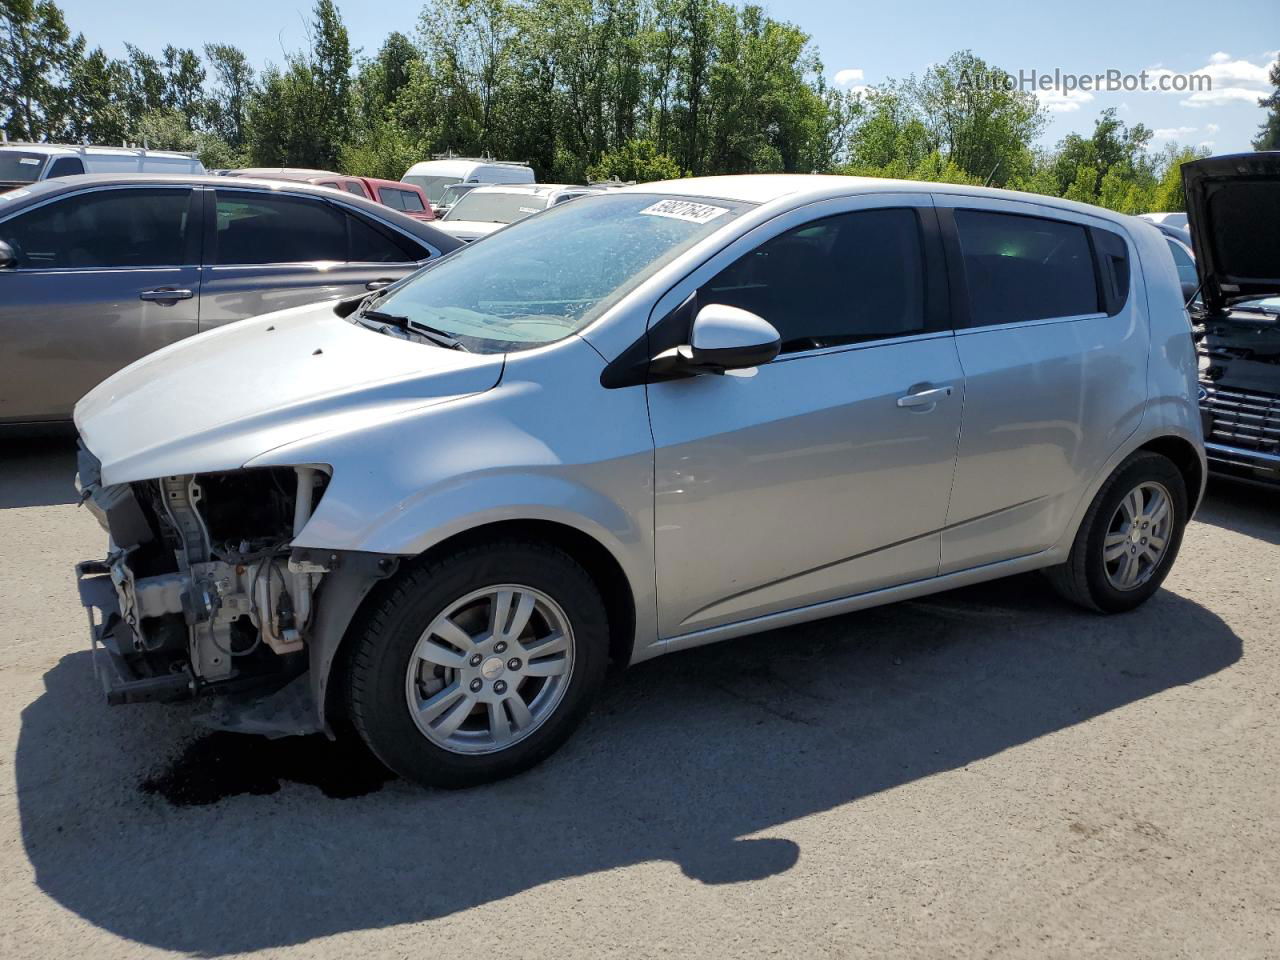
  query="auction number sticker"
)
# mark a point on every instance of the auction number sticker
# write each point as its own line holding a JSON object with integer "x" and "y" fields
{"x": 685, "y": 210}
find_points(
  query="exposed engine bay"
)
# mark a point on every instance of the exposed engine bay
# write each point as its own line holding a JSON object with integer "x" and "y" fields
{"x": 208, "y": 595}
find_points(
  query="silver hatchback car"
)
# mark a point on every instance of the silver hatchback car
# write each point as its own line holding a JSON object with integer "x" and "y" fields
{"x": 656, "y": 418}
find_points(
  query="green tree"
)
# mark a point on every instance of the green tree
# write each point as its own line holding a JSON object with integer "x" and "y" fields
{"x": 37, "y": 53}
{"x": 184, "y": 84}
{"x": 635, "y": 160}
{"x": 228, "y": 102}
{"x": 301, "y": 115}
{"x": 97, "y": 91}
{"x": 146, "y": 88}
{"x": 1268, "y": 137}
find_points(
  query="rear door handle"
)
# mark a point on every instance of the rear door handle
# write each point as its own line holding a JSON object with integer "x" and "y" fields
{"x": 925, "y": 398}
{"x": 166, "y": 295}
{"x": 379, "y": 283}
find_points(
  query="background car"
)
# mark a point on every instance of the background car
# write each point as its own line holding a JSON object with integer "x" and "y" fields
{"x": 486, "y": 209}
{"x": 405, "y": 197}
{"x": 97, "y": 271}
{"x": 23, "y": 163}
{"x": 434, "y": 175}
{"x": 451, "y": 195}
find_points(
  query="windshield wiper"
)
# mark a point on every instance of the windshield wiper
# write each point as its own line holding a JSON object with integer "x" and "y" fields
{"x": 438, "y": 337}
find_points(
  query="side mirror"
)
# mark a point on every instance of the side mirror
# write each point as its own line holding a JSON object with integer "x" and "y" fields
{"x": 8, "y": 258}
{"x": 722, "y": 338}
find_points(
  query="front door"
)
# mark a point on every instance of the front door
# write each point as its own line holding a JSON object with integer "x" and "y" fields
{"x": 103, "y": 278}
{"x": 825, "y": 473}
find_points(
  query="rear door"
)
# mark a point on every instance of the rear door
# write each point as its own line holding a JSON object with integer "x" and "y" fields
{"x": 267, "y": 250}
{"x": 104, "y": 276}
{"x": 1054, "y": 351}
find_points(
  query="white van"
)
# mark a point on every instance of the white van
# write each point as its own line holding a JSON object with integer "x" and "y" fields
{"x": 22, "y": 163}
{"x": 434, "y": 176}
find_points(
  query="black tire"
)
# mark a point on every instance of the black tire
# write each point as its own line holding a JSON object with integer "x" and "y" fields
{"x": 387, "y": 635}
{"x": 1083, "y": 578}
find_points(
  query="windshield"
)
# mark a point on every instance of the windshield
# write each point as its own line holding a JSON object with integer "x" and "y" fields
{"x": 496, "y": 207}
{"x": 452, "y": 192}
{"x": 433, "y": 187}
{"x": 552, "y": 275}
{"x": 19, "y": 166}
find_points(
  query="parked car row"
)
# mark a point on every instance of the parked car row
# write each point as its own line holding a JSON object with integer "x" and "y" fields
{"x": 405, "y": 197}
{"x": 26, "y": 163}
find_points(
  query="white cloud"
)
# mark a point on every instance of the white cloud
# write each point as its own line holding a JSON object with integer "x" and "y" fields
{"x": 1221, "y": 96}
{"x": 1232, "y": 81}
{"x": 1172, "y": 133}
{"x": 1055, "y": 101}
{"x": 848, "y": 77}
{"x": 1220, "y": 57}
{"x": 1211, "y": 128}
{"x": 1205, "y": 144}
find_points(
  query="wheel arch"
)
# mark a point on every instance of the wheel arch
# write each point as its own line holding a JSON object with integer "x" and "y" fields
{"x": 1183, "y": 454}
{"x": 595, "y": 558}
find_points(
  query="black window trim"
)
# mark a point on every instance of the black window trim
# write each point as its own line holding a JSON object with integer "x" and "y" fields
{"x": 962, "y": 317}
{"x": 192, "y": 254}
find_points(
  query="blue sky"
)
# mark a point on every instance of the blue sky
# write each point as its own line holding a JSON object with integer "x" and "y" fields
{"x": 1232, "y": 41}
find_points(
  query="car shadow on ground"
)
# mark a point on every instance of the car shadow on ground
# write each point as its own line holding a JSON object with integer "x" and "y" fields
{"x": 1251, "y": 509}
{"x": 692, "y": 759}
{"x": 37, "y": 472}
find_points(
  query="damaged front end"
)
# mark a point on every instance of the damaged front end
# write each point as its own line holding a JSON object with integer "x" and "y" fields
{"x": 201, "y": 593}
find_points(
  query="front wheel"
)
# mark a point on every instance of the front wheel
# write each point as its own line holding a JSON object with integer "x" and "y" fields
{"x": 479, "y": 664}
{"x": 1129, "y": 537}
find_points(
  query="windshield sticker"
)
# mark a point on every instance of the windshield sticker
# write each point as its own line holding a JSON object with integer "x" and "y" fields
{"x": 31, "y": 160}
{"x": 685, "y": 210}
{"x": 14, "y": 194}
{"x": 529, "y": 209}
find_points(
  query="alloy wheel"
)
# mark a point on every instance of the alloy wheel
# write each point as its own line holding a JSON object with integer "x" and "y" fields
{"x": 1137, "y": 536}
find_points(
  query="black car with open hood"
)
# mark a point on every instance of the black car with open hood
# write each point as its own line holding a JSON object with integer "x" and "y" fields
{"x": 1233, "y": 208}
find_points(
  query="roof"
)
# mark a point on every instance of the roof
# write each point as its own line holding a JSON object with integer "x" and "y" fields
{"x": 808, "y": 187}
{"x": 282, "y": 173}
{"x": 458, "y": 166}
{"x": 532, "y": 189}
{"x": 75, "y": 148}
{"x": 43, "y": 189}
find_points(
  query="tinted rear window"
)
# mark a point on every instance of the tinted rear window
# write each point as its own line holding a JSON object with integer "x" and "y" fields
{"x": 17, "y": 166}
{"x": 1022, "y": 268}
{"x": 254, "y": 228}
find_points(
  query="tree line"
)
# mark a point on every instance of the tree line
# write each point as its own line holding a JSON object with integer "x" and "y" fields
{"x": 580, "y": 89}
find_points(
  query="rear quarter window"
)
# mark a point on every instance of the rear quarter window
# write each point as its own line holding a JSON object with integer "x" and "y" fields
{"x": 1019, "y": 268}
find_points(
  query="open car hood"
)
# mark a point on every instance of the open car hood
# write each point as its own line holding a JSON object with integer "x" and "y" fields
{"x": 1233, "y": 209}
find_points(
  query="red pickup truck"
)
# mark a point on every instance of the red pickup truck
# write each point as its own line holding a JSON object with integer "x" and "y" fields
{"x": 405, "y": 197}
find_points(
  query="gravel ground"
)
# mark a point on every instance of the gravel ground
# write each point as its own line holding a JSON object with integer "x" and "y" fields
{"x": 986, "y": 772}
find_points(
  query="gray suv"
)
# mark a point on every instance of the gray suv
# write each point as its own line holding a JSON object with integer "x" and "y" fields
{"x": 97, "y": 271}
{"x": 659, "y": 417}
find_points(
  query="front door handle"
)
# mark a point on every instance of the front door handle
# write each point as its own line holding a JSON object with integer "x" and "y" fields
{"x": 925, "y": 398}
{"x": 165, "y": 295}
{"x": 379, "y": 283}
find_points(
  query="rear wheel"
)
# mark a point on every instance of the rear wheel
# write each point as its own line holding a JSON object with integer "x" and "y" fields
{"x": 1129, "y": 537}
{"x": 478, "y": 665}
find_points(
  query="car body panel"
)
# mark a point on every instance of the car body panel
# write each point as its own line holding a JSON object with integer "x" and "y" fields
{"x": 296, "y": 373}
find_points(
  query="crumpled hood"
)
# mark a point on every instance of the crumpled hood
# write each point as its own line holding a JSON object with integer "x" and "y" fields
{"x": 1233, "y": 212}
{"x": 219, "y": 399}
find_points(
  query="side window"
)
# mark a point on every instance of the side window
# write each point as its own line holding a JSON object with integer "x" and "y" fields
{"x": 1113, "y": 268}
{"x": 390, "y": 198}
{"x": 66, "y": 167}
{"x": 258, "y": 228}
{"x": 107, "y": 228}
{"x": 850, "y": 277}
{"x": 1186, "y": 266}
{"x": 1025, "y": 268}
{"x": 371, "y": 244}
{"x": 353, "y": 186}
{"x": 402, "y": 200}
